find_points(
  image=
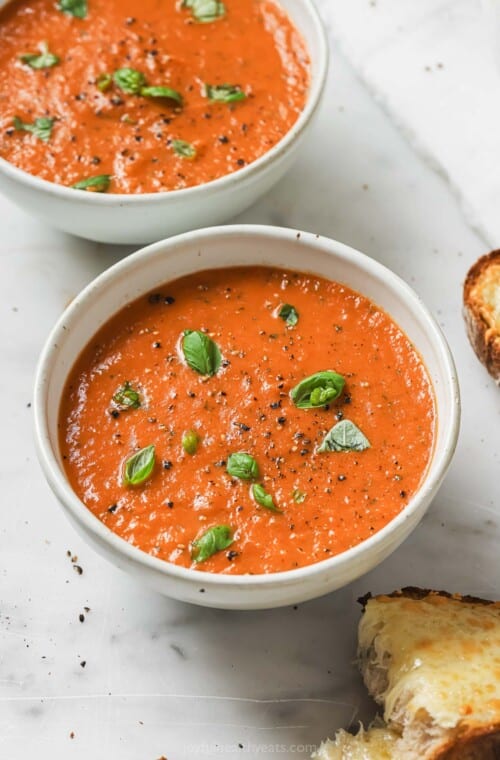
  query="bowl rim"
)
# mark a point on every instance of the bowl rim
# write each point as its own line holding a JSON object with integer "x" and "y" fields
{"x": 79, "y": 512}
{"x": 319, "y": 54}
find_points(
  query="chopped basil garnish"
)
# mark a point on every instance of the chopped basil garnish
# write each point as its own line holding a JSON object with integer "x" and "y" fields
{"x": 41, "y": 128}
{"x": 289, "y": 314}
{"x": 205, "y": 11}
{"x": 99, "y": 184}
{"x": 242, "y": 466}
{"x": 299, "y": 496}
{"x": 130, "y": 81}
{"x": 317, "y": 390}
{"x": 201, "y": 353}
{"x": 104, "y": 82}
{"x": 183, "y": 149}
{"x": 127, "y": 398}
{"x": 214, "y": 540}
{"x": 190, "y": 441}
{"x": 344, "y": 436}
{"x": 42, "y": 60}
{"x": 224, "y": 93}
{"x": 133, "y": 82}
{"x": 139, "y": 467}
{"x": 161, "y": 92}
{"x": 263, "y": 498}
{"x": 77, "y": 8}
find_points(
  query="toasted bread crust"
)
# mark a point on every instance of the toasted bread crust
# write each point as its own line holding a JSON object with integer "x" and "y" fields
{"x": 484, "y": 337}
{"x": 471, "y": 743}
{"x": 416, "y": 593}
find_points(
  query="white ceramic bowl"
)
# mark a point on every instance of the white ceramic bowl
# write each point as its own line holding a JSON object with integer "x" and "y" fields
{"x": 215, "y": 248}
{"x": 114, "y": 218}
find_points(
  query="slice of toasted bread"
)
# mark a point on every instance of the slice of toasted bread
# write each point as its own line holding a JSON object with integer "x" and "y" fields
{"x": 374, "y": 744}
{"x": 384, "y": 744}
{"x": 432, "y": 660}
{"x": 482, "y": 311}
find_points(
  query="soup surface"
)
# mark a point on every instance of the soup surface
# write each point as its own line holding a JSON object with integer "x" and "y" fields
{"x": 79, "y": 97}
{"x": 247, "y": 475}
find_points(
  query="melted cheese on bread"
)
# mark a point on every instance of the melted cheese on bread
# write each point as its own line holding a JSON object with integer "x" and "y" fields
{"x": 436, "y": 656}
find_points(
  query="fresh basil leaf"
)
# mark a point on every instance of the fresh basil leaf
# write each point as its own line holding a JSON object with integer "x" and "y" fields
{"x": 265, "y": 499}
{"x": 214, "y": 540}
{"x": 205, "y": 11}
{"x": 243, "y": 466}
{"x": 299, "y": 496}
{"x": 139, "y": 467}
{"x": 104, "y": 82}
{"x": 162, "y": 92}
{"x": 201, "y": 353}
{"x": 317, "y": 390}
{"x": 344, "y": 436}
{"x": 184, "y": 149}
{"x": 224, "y": 93}
{"x": 42, "y": 60}
{"x": 77, "y": 8}
{"x": 130, "y": 81}
{"x": 127, "y": 397}
{"x": 41, "y": 128}
{"x": 98, "y": 184}
{"x": 190, "y": 441}
{"x": 289, "y": 314}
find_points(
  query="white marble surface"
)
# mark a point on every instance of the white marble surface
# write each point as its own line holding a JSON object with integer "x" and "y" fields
{"x": 165, "y": 679}
{"x": 433, "y": 65}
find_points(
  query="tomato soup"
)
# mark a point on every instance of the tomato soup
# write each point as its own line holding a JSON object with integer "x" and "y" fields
{"x": 247, "y": 420}
{"x": 160, "y": 95}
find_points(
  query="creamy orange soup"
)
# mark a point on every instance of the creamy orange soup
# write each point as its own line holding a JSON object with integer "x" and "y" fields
{"x": 131, "y": 97}
{"x": 248, "y": 420}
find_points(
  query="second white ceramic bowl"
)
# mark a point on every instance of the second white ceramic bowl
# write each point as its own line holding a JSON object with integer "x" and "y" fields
{"x": 114, "y": 218}
{"x": 217, "y": 248}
